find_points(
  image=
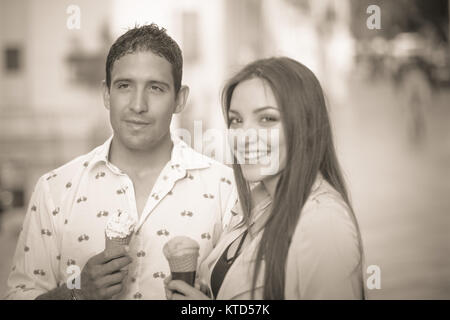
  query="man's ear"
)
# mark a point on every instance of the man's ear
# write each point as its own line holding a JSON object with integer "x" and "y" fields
{"x": 105, "y": 94}
{"x": 181, "y": 99}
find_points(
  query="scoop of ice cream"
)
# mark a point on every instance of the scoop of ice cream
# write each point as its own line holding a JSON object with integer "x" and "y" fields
{"x": 120, "y": 225}
{"x": 180, "y": 246}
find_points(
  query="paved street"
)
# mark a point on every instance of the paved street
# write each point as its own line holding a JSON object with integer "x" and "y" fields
{"x": 400, "y": 189}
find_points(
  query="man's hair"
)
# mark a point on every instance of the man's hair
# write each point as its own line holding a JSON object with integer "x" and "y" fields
{"x": 147, "y": 38}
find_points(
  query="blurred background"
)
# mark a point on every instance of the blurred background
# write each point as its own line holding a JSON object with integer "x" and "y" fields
{"x": 388, "y": 92}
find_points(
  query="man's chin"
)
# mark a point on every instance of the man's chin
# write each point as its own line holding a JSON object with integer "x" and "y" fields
{"x": 140, "y": 144}
{"x": 136, "y": 143}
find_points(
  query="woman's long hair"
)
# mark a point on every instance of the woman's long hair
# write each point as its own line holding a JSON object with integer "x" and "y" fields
{"x": 310, "y": 150}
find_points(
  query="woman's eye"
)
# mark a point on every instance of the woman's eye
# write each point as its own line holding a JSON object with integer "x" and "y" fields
{"x": 235, "y": 121}
{"x": 269, "y": 119}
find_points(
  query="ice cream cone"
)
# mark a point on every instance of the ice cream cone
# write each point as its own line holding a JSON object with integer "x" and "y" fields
{"x": 114, "y": 242}
{"x": 119, "y": 230}
{"x": 182, "y": 254}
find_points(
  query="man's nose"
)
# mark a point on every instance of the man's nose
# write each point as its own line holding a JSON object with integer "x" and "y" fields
{"x": 139, "y": 103}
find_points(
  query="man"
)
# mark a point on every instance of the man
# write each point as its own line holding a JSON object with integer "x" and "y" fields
{"x": 143, "y": 170}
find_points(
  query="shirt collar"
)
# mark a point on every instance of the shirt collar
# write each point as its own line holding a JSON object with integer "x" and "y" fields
{"x": 185, "y": 157}
{"x": 182, "y": 156}
{"x": 101, "y": 154}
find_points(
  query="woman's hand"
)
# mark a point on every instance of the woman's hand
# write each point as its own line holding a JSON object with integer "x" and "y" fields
{"x": 180, "y": 290}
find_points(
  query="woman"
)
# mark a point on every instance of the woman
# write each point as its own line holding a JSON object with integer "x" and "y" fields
{"x": 297, "y": 237}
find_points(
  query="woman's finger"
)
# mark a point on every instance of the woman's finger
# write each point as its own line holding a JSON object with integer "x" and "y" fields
{"x": 167, "y": 279}
{"x": 180, "y": 286}
{"x": 177, "y": 296}
{"x": 205, "y": 289}
{"x": 188, "y": 292}
{"x": 169, "y": 293}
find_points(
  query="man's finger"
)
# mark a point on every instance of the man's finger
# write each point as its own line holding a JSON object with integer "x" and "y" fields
{"x": 112, "y": 279}
{"x": 113, "y": 290}
{"x": 114, "y": 253}
{"x": 115, "y": 265}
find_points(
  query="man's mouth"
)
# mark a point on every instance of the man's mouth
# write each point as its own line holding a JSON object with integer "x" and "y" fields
{"x": 137, "y": 121}
{"x": 136, "y": 124}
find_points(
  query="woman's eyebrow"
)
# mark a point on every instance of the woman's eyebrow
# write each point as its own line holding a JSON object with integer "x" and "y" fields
{"x": 265, "y": 108}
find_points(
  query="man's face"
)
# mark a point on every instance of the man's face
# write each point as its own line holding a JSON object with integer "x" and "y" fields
{"x": 142, "y": 99}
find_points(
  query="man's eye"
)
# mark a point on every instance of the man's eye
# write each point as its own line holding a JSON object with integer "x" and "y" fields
{"x": 156, "y": 88}
{"x": 123, "y": 86}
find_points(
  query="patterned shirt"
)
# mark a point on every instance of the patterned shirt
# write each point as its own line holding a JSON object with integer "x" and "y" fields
{"x": 66, "y": 218}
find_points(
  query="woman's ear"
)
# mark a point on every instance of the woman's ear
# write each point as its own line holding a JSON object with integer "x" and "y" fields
{"x": 105, "y": 94}
{"x": 181, "y": 99}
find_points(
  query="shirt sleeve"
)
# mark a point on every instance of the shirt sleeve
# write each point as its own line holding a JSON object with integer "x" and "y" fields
{"x": 324, "y": 259}
{"x": 35, "y": 259}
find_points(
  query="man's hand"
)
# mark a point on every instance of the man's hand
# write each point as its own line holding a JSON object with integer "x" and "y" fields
{"x": 102, "y": 276}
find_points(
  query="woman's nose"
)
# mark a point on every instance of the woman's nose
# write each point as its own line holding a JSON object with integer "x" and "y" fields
{"x": 245, "y": 137}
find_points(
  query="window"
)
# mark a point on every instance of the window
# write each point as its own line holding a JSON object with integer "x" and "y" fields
{"x": 12, "y": 59}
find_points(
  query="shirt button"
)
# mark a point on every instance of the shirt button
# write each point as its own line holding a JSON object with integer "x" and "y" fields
{"x": 137, "y": 295}
{"x": 141, "y": 253}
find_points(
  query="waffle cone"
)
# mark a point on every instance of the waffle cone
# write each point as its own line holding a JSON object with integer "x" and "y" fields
{"x": 111, "y": 243}
{"x": 184, "y": 263}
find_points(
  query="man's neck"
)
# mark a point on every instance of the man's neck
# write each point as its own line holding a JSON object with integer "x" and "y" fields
{"x": 140, "y": 162}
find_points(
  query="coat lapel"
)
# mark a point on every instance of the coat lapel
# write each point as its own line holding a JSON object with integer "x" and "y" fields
{"x": 238, "y": 280}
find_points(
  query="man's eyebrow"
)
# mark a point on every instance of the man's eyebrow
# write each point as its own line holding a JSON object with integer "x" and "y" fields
{"x": 122, "y": 80}
{"x": 149, "y": 81}
{"x": 160, "y": 82}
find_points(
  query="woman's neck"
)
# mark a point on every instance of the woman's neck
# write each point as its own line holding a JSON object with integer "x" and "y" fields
{"x": 270, "y": 184}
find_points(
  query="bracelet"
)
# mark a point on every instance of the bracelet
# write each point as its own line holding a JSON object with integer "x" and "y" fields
{"x": 74, "y": 295}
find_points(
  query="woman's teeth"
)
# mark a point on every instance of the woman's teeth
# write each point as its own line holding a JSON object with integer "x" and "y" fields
{"x": 254, "y": 155}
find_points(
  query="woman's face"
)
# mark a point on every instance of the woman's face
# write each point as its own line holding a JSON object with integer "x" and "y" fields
{"x": 256, "y": 131}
